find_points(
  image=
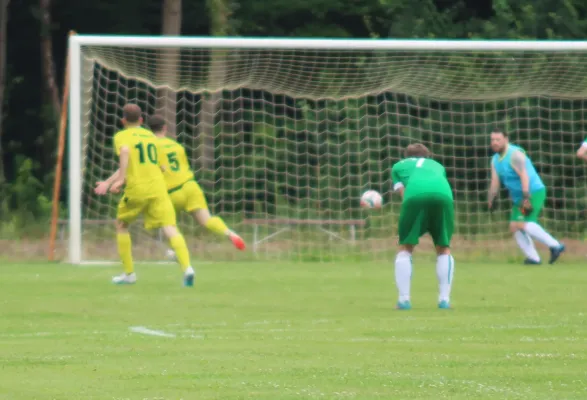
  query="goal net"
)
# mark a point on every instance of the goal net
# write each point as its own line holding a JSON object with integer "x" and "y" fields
{"x": 285, "y": 135}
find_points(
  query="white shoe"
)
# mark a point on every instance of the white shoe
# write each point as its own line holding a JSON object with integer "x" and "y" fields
{"x": 124, "y": 279}
{"x": 170, "y": 255}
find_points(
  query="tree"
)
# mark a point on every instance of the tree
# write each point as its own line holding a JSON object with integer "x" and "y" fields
{"x": 3, "y": 24}
{"x": 220, "y": 13}
{"x": 168, "y": 65}
{"x": 48, "y": 64}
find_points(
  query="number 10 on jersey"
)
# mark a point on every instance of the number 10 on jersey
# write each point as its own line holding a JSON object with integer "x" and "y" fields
{"x": 151, "y": 152}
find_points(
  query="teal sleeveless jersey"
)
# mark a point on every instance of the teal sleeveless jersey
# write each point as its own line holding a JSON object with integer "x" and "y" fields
{"x": 421, "y": 176}
{"x": 509, "y": 177}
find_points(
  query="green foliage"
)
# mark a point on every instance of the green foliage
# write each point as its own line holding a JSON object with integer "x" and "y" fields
{"x": 546, "y": 19}
{"x": 25, "y": 209}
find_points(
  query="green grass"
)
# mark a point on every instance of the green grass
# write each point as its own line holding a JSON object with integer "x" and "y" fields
{"x": 293, "y": 331}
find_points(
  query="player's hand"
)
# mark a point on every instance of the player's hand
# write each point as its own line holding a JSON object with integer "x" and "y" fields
{"x": 526, "y": 207}
{"x": 101, "y": 188}
{"x": 490, "y": 206}
{"x": 116, "y": 186}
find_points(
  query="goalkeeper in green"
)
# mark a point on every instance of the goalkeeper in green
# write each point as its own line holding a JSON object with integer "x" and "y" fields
{"x": 427, "y": 207}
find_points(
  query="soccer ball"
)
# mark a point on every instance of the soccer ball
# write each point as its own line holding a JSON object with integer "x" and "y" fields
{"x": 371, "y": 199}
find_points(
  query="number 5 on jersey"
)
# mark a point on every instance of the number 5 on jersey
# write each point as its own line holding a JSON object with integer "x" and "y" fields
{"x": 173, "y": 163}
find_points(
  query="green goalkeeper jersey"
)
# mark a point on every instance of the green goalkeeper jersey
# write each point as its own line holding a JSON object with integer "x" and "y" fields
{"x": 420, "y": 176}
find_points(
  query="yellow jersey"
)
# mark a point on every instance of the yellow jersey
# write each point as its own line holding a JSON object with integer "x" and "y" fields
{"x": 177, "y": 169}
{"x": 144, "y": 178}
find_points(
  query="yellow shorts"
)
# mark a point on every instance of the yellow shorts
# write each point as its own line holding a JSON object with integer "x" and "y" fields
{"x": 157, "y": 211}
{"x": 188, "y": 197}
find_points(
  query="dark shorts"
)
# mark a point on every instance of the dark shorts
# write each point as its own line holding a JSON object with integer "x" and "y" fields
{"x": 427, "y": 213}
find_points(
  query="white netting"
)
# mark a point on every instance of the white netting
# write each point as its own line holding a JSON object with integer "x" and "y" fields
{"x": 290, "y": 138}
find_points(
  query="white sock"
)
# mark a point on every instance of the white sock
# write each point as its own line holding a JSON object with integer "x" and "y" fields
{"x": 189, "y": 271}
{"x": 403, "y": 274}
{"x": 445, "y": 269}
{"x": 527, "y": 245}
{"x": 538, "y": 233}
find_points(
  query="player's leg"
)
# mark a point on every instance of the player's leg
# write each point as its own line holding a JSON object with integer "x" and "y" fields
{"x": 127, "y": 212}
{"x": 180, "y": 248}
{"x": 411, "y": 226}
{"x": 197, "y": 206}
{"x": 524, "y": 240}
{"x": 217, "y": 225}
{"x": 538, "y": 232}
{"x": 161, "y": 214}
{"x": 179, "y": 200}
{"x": 403, "y": 276}
{"x": 441, "y": 228}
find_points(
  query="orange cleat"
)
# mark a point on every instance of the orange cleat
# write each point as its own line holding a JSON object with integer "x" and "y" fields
{"x": 237, "y": 241}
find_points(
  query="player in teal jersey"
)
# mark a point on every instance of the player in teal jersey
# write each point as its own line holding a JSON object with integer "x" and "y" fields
{"x": 427, "y": 207}
{"x": 513, "y": 168}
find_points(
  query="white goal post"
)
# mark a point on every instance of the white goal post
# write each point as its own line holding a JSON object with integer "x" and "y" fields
{"x": 286, "y": 133}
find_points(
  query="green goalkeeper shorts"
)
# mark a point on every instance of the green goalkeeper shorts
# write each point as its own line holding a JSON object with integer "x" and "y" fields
{"x": 537, "y": 199}
{"x": 427, "y": 213}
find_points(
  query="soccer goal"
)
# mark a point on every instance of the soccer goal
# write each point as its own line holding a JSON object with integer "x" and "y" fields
{"x": 285, "y": 134}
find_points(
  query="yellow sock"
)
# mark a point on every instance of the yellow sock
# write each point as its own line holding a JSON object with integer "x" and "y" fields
{"x": 217, "y": 225}
{"x": 180, "y": 248}
{"x": 125, "y": 251}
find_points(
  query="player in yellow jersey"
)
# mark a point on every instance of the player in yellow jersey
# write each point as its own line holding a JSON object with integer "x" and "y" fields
{"x": 183, "y": 189}
{"x": 145, "y": 193}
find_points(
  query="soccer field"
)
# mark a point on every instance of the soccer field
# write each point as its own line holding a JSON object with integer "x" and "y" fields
{"x": 292, "y": 331}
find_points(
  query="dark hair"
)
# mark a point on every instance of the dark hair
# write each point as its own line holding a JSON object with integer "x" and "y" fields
{"x": 131, "y": 113}
{"x": 156, "y": 123}
{"x": 502, "y": 131}
{"x": 417, "y": 150}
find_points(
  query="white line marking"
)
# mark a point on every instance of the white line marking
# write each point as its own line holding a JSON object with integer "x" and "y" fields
{"x": 387, "y": 339}
{"x": 91, "y": 264}
{"x": 549, "y": 339}
{"x": 197, "y": 325}
{"x": 266, "y": 322}
{"x": 526, "y": 326}
{"x": 65, "y": 333}
{"x": 436, "y": 381}
{"x": 147, "y": 331}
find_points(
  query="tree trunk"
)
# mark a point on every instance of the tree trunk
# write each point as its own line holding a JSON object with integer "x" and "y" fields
{"x": 168, "y": 66}
{"x": 3, "y": 23}
{"x": 219, "y": 15}
{"x": 49, "y": 73}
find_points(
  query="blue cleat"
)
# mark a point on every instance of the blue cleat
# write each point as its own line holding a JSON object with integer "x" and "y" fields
{"x": 444, "y": 305}
{"x": 529, "y": 261}
{"x": 188, "y": 280}
{"x": 403, "y": 305}
{"x": 555, "y": 253}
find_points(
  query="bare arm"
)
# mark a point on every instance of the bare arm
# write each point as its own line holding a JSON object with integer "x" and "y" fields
{"x": 121, "y": 178}
{"x": 519, "y": 165}
{"x": 494, "y": 187}
{"x": 112, "y": 177}
{"x": 582, "y": 152}
{"x": 124, "y": 156}
{"x": 398, "y": 187}
{"x": 103, "y": 186}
